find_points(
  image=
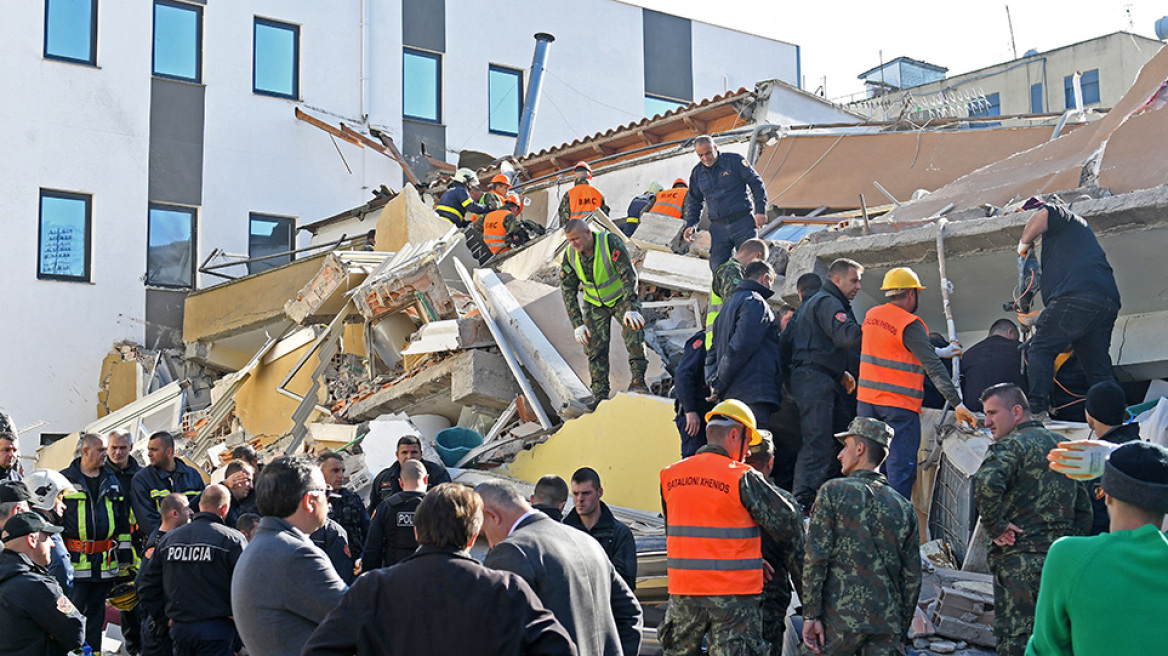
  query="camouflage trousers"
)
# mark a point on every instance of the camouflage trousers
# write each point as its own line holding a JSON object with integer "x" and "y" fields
{"x": 731, "y": 625}
{"x": 1016, "y": 579}
{"x": 857, "y": 644}
{"x": 599, "y": 322}
{"x": 776, "y": 598}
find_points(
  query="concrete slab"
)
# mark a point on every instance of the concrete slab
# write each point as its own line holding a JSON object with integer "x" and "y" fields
{"x": 657, "y": 231}
{"x": 402, "y": 288}
{"x": 407, "y": 220}
{"x": 678, "y": 272}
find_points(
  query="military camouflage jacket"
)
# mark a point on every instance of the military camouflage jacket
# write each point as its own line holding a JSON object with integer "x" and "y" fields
{"x": 727, "y": 277}
{"x": 862, "y": 572}
{"x": 570, "y": 282}
{"x": 1016, "y": 485}
{"x": 786, "y": 557}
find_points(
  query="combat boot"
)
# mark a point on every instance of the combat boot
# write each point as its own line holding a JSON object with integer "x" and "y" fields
{"x": 638, "y": 384}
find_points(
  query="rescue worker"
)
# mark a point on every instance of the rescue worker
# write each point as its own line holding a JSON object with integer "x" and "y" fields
{"x": 599, "y": 263}
{"x": 824, "y": 340}
{"x": 456, "y": 202}
{"x": 10, "y": 469}
{"x": 164, "y": 475}
{"x": 582, "y": 198}
{"x": 691, "y": 395}
{"x": 716, "y": 508}
{"x": 409, "y": 447}
{"x": 727, "y": 277}
{"x": 1080, "y": 297}
{"x": 673, "y": 201}
{"x": 894, "y": 357}
{"x": 638, "y": 206}
{"x": 155, "y": 638}
{"x": 190, "y": 574}
{"x": 126, "y": 467}
{"x": 47, "y": 499}
{"x": 1024, "y": 507}
{"x": 862, "y": 572}
{"x": 36, "y": 618}
{"x": 720, "y": 182}
{"x": 391, "y": 532}
{"x": 500, "y": 227}
{"x": 593, "y": 516}
{"x": 94, "y": 519}
{"x": 345, "y": 505}
{"x": 492, "y": 199}
{"x": 785, "y": 559}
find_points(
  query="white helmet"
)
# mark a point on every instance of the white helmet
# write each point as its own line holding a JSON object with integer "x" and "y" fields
{"x": 464, "y": 176}
{"x": 44, "y": 485}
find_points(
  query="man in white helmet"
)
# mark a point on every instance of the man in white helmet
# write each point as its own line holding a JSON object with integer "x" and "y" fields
{"x": 456, "y": 202}
{"x": 47, "y": 490}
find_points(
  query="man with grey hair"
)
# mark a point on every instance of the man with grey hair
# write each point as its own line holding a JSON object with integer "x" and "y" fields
{"x": 720, "y": 182}
{"x": 568, "y": 570}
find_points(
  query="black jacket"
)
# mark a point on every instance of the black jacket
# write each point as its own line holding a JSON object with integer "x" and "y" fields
{"x": 152, "y": 484}
{"x": 189, "y": 573}
{"x": 347, "y": 509}
{"x": 89, "y": 519}
{"x": 386, "y": 482}
{"x": 334, "y": 542}
{"x": 995, "y": 359}
{"x": 391, "y": 531}
{"x": 36, "y": 618}
{"x": 1101, "y": 523}
{"x": 745, "y": 356}
{"x": 240, "y": 507}
{"x": 826, "y": 334}
{"x": 455, "y": 606}
{"x": 689, "y": 384}
{"x": 615, "y": 538}
{"x": 126, "y": 478}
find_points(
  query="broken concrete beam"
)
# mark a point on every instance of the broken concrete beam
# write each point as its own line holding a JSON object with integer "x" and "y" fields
{"x": 565, "y": 390}
{"x": 966, "y": 605}
{"x": 471, "y": 378}
{"x": 398, "y": 289}
{"x": 657, "y": 231}
{"x": 676, "y": 272}
{"x": 450, "y": 335}
{"x": 978, "y": 634}
{"x": 340, "y": 272}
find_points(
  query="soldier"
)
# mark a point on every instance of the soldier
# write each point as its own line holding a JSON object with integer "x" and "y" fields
{"x": 391, "y": 532}
{"x": 862, "y": 573}
{"x": 599, "y": 263}
{"x": 785, "y": 559}
{"x": 727, "y": 277}
{"x": 1024, "y": 506}
{"x": 582, "y": 199}
{"x": 345, "y": 506}
{"x": 501, "y": 227}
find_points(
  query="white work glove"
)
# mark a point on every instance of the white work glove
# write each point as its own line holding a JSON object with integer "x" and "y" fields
{"x": 954, "y": 349}
{"x": 1082, "y": 459}
{"x": 582, "y": 334}
{"x": 634, "y": 320}
{"x": 1023, "y": 249}
{"x": 965, "y": 416}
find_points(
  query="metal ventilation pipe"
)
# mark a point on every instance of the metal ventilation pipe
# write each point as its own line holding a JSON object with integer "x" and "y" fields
{"x": 531, "y": 103}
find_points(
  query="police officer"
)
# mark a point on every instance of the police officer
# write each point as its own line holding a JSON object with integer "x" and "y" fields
{"x": 720, "y": 182}
{"x": 716, "y": 508}
{"x": 155, "y": 632}
{"x": 35, "y": 615}
{"x": 1024, "y": 507}
{"x": 691, "y": 395}
{"x": 862, "y": 572}
{"x": 409, "y": 447}
{"x": 391, "y": 532}
{"x": 599, "y": 263}
{"x": 164, "y": 475}
{"x": 582, "y": 198}
{"x": 727, "y": 277}
{"x": 638, "y": 206}
{"x": 456, "y": 202}
{"x": 334, "y": 542}
{"x": 345, "y": 506}
{"x": 189, "y": 575}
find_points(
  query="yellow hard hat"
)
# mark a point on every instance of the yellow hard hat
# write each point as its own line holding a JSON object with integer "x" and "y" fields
{"x": 123, "y": 596}
{"x": 740, "y": 412}
{"x": 901, "y": 278}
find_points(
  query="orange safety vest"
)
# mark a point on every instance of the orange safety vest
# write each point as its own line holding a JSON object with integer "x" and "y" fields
{"x": 582, "y": 199}
{"x": 890, "y": 374}
{"x": 714, "y": 546}
{"x": 670, "y": 201}
{"x": 494, "y": 232}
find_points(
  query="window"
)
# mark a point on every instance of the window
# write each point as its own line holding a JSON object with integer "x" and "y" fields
{"x": 655, "y": 105}
{"x": 170, "y": 252}
{"x": 63, "y": 247}
{"x": 276, "y": 59}
{"x": 71, "y": 30}
{"x": 269, "y": 235}
{"x": 992, "y": 106}
{"x": 422, "y": 85}
{"x": 1036, "y": 104}
{"x": 1090, "y": 85}
{"x": 505, "y": 91}
{"x": 178, "y": 38}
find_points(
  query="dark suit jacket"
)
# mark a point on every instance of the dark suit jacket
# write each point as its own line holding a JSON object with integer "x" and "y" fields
{"x": 575, "y": 580}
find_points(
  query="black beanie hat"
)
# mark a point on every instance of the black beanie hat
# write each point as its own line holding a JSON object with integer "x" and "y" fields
{"x": 1137, "y": 473}
{"x": 1107, "y": 403}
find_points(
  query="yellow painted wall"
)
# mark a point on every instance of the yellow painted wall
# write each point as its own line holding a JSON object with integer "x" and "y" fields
{"x": 628, "y": 441}
{"x": 263, "y": 410}
{"x": 118, "y": 385}
{"x": 353, "y": 339}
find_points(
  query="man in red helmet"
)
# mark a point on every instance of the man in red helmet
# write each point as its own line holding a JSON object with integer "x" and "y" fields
{"x": 582, "y": 198}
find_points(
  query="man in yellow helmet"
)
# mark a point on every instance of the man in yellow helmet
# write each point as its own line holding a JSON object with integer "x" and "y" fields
{"x": 895, "y": 355}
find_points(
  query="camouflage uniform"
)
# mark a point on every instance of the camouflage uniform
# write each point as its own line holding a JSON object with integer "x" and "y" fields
{"x": 565, "y": 210}
{"x": 727, "y": 277}
{"x": 731, "y": 624}
{"x": 599, "y": 318}
{"x": 1015, "y": 485}
{"x": 787, "y": 559}
{"x": 862, "y": 572}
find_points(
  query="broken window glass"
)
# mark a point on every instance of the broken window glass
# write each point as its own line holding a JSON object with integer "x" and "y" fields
{"x": 178, "y": 29}
{"x": 269, "y": 235}
{"x": 505, "y": 87}
{"x": 71, "y": 30}
{"x": 65, "y": 222}
{"x": 421, "y": 85}
{"x": 170, "y": 253}
{"x": 276, "y": 59}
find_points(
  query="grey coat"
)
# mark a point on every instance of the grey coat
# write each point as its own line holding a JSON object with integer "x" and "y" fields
{"x": 283, "y": 587}
{"x": 575, "y": 580}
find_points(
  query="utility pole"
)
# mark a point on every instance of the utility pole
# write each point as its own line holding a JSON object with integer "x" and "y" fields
{"x": 1010, "y": 23}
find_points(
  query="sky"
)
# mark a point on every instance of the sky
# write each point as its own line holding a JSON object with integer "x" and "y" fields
{"x": 840, "y": 40}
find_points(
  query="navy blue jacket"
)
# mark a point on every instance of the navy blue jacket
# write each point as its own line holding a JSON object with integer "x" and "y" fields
{"x": 1073, "y": 263}
{"x": 334, "y": 542}
{"x": 347, "y": 509}
{"x": 689, "y": 381}
{"x": 36, "y": 618}
{"x": 722, "y": 187}
{"x": 745, "y": 356}
{"x": 151, "y": 484}
{"x": 391, "y": 531}
{"x": 639, "y": 204}
{"x": 458, "y": 198}
{"x": 189, "y": 573}
{"x": 386, "y": 483}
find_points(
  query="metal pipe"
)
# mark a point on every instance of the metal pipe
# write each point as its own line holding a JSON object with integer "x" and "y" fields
{"x": 886, "y": 193}
{"x": 864, "y": 209}
{"x": 752, "y": 151}
{"x": 531, "y": 103}
{"x": 945, "y": 284}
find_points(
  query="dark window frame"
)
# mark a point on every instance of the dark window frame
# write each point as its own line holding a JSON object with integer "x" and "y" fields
{"x": 295, "y": 29}
{"x": 265, "y": 264}
{"x": 87, "y": 276}
{"x": 92, "y": 60}
{"x": 518, "y": 73}
{"x": 437, "y": 57}
{"x": 193, "y": 212}
{"x": 198, "y": 11}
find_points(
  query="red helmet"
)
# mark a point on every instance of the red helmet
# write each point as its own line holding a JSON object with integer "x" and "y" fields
{"x": 585, "y": 166}
{"x": 513, "y": 199}
{"x": 501, "y": 179}
{"x": 679, "y": 183}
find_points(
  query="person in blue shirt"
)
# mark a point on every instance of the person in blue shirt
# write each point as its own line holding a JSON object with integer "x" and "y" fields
{"x": 456, "y": 202}
{"x": 729, "y": 188}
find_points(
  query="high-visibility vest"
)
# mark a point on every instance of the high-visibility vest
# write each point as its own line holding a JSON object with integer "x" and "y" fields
{"x": 494, "y": 232}
{"x": 890, "y": 374}
{"x": 715, "y": 306}
{"x": 452, "y": 213}
{"x": 670, "y": 201}
{"x": 713, "y": 545}
{"x": 583, "y": 199}
{"x": 94, "y": 550}
{"x": 603, "y": 286}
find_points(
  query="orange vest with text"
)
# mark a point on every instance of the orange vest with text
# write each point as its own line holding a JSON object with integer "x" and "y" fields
{"x": 670, "y": 202}
{"x": 582, "y": 199}
{"x": 714, "y": 546}
{"x": 494, "y": 230}
{"x": 890, "y": 374}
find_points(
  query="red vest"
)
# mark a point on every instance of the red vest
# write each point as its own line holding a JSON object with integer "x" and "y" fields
{"x": 889, "y": 373}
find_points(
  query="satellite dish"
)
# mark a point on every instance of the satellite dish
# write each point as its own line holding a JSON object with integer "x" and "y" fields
{"x": 1162, "y": 28}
